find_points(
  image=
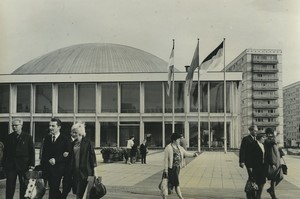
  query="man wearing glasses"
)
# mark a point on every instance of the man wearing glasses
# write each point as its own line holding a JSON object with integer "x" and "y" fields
{"x": 19, "y": 157}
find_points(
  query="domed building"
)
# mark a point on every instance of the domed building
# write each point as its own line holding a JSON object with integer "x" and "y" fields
{"x": 118, "y": 91}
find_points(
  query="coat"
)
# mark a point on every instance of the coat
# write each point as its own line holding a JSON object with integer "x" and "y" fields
{"x": 87, "y": 159}
{"x": 245, "y": 150}
{"x": 257, "y": 163}
{"x": 19, "y": 153}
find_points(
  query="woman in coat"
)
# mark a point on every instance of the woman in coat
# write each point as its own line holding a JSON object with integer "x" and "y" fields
{"x": 273, "y": 169}
{"x": 258, "y": 163}
{"x": 173, "y": 162}
{"x": 84, "y": 160}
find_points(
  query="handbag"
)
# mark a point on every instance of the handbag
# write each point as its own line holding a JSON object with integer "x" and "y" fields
{"x": 98, "y": 190}
{"x": 163, "y": 185}
{"x": 35, "y": 187}
{"x": 250, "y": 186}
{"x": 284, "y": 167}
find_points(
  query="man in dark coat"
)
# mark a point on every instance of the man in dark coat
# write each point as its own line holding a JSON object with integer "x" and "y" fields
{"x": 18, "y": 157}
{"x": 56, "y": 149}
{"x": 245, "y": 152}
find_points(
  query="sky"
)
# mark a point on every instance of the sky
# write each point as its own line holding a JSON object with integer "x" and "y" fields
{"x": 31, "y": 28}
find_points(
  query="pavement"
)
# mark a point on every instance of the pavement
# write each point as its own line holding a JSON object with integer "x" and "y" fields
{"x": 210, "y": 175}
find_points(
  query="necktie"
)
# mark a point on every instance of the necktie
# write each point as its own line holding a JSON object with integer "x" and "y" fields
{"x": 53, "y": 139}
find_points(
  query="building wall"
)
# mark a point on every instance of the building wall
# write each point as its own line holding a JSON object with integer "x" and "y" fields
{"x": 126, "y": 119}
{"x": 261, "y": 92}
{"x": 291, "y": 107}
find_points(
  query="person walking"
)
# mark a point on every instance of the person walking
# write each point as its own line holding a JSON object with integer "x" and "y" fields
{"x": 257, "y": 164}
{"x": 143, "y": 151}
{"x": 173, "y": 156}
{"x": 54, "y": 157}
{"x": 18, "y": 157}
{"x": 274, "y": 171}
{"x": 67, "y": 178}
{"x": 83, "y": 160}
{"x": 245, "y": 154}
{"x": 130, "y": 143}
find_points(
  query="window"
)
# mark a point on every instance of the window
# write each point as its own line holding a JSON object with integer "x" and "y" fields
{"x": 153, "y": 97}
{"x": 109, "y": 97}
{"x": 203, "y": 97}
{"x": 86, "y": 98}
{"x": 43, "y": 96}
{"x": 65, "y": 98}
{"x": 153, "y": 134}
{"x": 23, "y": 98}
{"x": 4, "y": 98}
{"x": 179, "y": 99}
{"x": 130, "y": 97}
{"x": 108, "y": 136}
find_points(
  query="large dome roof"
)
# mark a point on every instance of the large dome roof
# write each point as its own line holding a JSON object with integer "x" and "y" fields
{"x": 94, "y": 58}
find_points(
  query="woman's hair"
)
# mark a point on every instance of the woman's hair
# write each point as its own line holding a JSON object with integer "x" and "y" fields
{"x": 80, "y": 127}
{"x": 131, "y": 137}
{"x": 269, "y": 131}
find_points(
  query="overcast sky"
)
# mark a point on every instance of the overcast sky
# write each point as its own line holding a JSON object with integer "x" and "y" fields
{"x": 31, "y": 28}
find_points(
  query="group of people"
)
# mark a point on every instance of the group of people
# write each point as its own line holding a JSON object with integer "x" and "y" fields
{"x": 261, "y": 156}
{"x": 132, "y": 150}
{"x": 70, "y": 159}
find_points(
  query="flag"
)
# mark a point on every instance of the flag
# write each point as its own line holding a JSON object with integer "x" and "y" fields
{"x": 192, "y": 68}
{"x": 171, "y": 70}
{"x": 213, "y": 59}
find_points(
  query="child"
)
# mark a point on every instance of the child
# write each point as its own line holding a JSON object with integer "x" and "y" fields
{"x": 144, "y": 151}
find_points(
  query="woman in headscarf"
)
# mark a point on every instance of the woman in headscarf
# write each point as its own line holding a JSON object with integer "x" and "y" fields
{"x": 272, "y": 158}
{"x": 173, "y": 162}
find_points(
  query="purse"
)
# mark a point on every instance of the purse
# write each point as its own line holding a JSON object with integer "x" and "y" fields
{"x": 163, "y": 185}
{"x": 250, "y": 186}
{"x": 284, "y": 167}
{"x": 98, "y": 190}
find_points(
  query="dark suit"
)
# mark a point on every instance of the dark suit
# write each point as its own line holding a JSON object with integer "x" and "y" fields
{"x": 87, "y": 163}
{"x": 19, "y": 155}
{"x": 258, "y": 166}
{"x": 67, "y": 179}
{"x": 54, "y": 173}
{"x": 245, "y": 156}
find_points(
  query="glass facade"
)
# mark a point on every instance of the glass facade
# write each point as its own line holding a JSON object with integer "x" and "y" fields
{"x": 217, "y": 97}
{"x": 90, "y": 132}
{"x": 4, "y": 126}
{"x": 153, "y": 97}
{"x": 23, "y": 98}
{"x": 203, "y": 97}
{"x": 86, "y": 98}
{"x": 41, "y": 131}
{"x": 179, "y": 128}
{"x": 43, "y": 98}
{"x": 4, "y": 98}
{"x": 66, "y": 129}
{"x": 108, "y": 135}
{"x": 217, "y": 133}
{"x": 109, "y": 97}
{"x": 194, "y": 134}
{"x": 178, "y": 98}
{"x": 65, "y": 98}
{"x": 127, "y": 130}
{"x": 153, "y": 134}
{"x": 130, "y": 98}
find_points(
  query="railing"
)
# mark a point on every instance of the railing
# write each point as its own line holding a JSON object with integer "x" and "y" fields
{"x": 276, "y": 105}
{"x": 264, "y": 61}
{"x": 264, "y": 70}
{"x": 265, "y": 79}
{"x": 265, "y": 88}
{"x": 265, "y": 96}
{"x": 265, "y": 114}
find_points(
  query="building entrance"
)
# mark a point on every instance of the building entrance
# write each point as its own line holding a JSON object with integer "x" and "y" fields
{"x": 127, "y": 130}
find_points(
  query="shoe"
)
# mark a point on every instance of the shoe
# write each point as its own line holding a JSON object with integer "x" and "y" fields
{"x": 272, "y": 194}
{"x": 129, "y": 163}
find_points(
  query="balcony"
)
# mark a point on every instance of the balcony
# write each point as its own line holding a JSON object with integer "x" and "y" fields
{"x": 255, "y": 96}
{"x": 265, "y": 115}
{"x": 266, "y": 124}
{"x": 264, "y": 61}
{"x": 276, "y": 105}
{"x": 265, "y": 88}
{"x": 264, "y": 70}
{"x": 265, "y": 79}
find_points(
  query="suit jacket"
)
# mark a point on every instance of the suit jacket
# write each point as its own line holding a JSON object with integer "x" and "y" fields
{"x": 245, "y": 150}
{"x": 55, "y": 150}
{"x": 87, "y": 159}
{"x": 257, "y": 163}
{"x": 19, "y": 153}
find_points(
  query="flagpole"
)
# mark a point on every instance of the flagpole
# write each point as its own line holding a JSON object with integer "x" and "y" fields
{"x": 225, "y": 104}
{"x": 199, "y": 127}
{"x": 173, "y": 95}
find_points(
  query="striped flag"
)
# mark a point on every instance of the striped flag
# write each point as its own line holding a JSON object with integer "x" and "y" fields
{"x": 213, "y": 60}
{"x": 192, "y": 68}
{"x": 171, "y": 70}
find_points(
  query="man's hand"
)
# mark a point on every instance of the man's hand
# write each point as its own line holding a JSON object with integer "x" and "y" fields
{"x": 52, "y": 161}
{"x": 65, "y": 154}
{"x": 242, "y": 164}
{"x": 31, "y": 168}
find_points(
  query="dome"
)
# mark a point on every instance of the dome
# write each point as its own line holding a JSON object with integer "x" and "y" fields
{"x": 94, "y": 58}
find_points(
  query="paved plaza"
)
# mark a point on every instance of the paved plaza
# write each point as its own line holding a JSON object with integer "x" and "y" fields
{"x": 210, "y": 175}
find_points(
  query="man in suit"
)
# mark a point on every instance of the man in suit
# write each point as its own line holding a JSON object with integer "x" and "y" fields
{"x": 18, "y": 157}
{"x": 245, "y": 153}
{"x": 55, "y": 152}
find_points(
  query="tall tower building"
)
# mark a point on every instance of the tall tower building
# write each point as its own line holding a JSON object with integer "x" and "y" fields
{"x": 291, "y": 114}
{"x": 261, "y": 89}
